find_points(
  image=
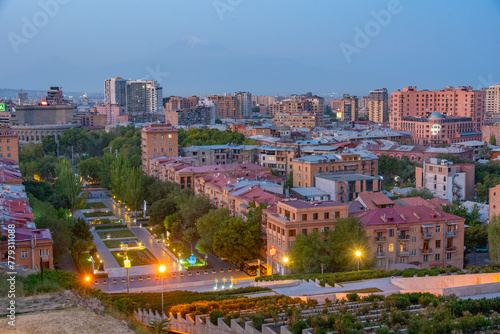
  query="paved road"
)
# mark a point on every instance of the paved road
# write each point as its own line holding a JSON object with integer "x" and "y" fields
{"x": 481, "y": 259}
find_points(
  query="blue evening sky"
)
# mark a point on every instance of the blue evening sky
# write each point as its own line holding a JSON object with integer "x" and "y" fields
{"x": 266, "y": 47}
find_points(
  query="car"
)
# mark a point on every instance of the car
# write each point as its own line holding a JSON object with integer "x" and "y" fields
{"x": 482, "y": 250}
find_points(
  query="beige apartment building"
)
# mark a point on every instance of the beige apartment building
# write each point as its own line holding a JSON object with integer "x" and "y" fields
{"x": 350, "y": 161}
{"x": 298, "y": 120}
{"x": 9, "y": 145}
{"x": 417, "y": 235}
{"x": 158, "y": 140}
{"x": 286, "y": 220}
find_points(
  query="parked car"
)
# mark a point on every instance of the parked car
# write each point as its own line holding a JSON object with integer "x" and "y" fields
{"x": 482, "y": 250}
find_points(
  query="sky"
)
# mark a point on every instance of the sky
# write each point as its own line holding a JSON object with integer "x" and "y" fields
{"x": 265, "y": 47}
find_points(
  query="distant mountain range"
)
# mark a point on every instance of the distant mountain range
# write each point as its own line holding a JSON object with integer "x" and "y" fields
{"x": 188, "y": 66}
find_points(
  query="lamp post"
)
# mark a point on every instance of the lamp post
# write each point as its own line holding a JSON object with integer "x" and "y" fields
{"x": 358, "y": 255}
{"x": 161, "y": 269}
{"x": 286, "y": 264}
{"x": 272, "y": 254}
{"x": 126, "y": 264}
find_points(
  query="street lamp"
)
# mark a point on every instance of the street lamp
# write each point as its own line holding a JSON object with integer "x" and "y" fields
{"x": 358, "y": 255}
{"x": 126, "y": 264}
{"x": 162, "y": 269}
{"x": 286, "y": 263}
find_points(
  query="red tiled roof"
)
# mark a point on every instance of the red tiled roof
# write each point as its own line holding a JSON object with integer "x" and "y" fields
{"x": 222, "y": 168}
{"x": 438, "y": 202}
{"x": 259, "y": 195}
{"x": 371, "y": 199}
{"x": 435, "y": 203}
{"x": 404, "y": 215}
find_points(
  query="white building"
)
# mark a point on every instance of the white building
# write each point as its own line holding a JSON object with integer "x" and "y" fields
{"x": 492, "y": 101}
{"x": 114, "y": 91}
{"x": 244, "y": 103}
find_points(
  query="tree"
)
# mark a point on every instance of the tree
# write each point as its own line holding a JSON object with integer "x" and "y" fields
{"x": 207, "y": 226}
{"x": 160, "y": 209}
{"x": 70, "y": 185}
{"x": 485, "y": 152}
{"x": 218, "y": 121}
{"x": 289, "y": 183}
{"x": 192, "y": 207}
{"x": 308, "y": 253}
{"x": 190, "y": 236}
{"x": 173, "y": 224}
{"x": 343, "y": 242}
{"x": 91, "y": 169}
{"x": 49, "y": 145}
{"x": 80, "y": 246}
{"x": 81, "y": 230}
{"x": 119, "y": 173}
{"x": 254, "y": 215}
{"x": 494, "y": 239}
{"x": 475, "y": 236}
{"x": 493, "y": 140}
{"x": 30, "y": 152}
{"x": 457, "y": 209}
{"x": 134, "y": 191}
{"x": 483, "y": 188}
{"x": 238, "y": 241}
{"x": 160, "y": 327}
{"x": 424, "y": 193}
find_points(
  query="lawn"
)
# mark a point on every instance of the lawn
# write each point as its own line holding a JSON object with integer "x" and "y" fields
{"x": 103, "y": 221}
{"x": 141, "y": 257}
{"x": 95, "y": 205}
{"x": 98, "y": 214}
{"x": 197, "y": 266}
{"x": 116, "y": 243}
{"x": 116, "y": 234}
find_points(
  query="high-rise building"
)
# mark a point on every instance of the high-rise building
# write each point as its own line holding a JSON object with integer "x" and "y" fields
{"x": 243, "y": 104}
{"x": 492, "y": 102}
{"x": 225, "y": 106}
{"x": 300, "y": 103}
{"x": 378, "y": 106}
{"x": 450, "y": 102}
{"x": 349, "y": 108}
{"x": 143, "y": 96}
{"x": 55, "y": 96}
{"x": 114, "y": 91}
{"x": 22, "y": 98}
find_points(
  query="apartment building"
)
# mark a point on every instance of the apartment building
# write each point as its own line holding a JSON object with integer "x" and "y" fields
{"x": 378, "y": 106}
{"x": 189, "y": 116}
{"x": 299, "y": 120}
{"x": 492, "y": 100}
{"x": 300, "y": 103}
{"x": 452, "y": 182}
{"x": 417, "y": 235}
{"x": 350, "y": 160}
{"x": 111, "y": 111}
{"x": 345, "y": 187}
{"x": 115, "y": 92}
{"x": 221, "y": 154}
{"x": 494, "y": 202}
{"x": 9, "y": 145}
{"x": 349, "y": 108}
{"x": 278, "y": 158}
{"x": 287, "y": 219}
{"x": 158, "y": 140}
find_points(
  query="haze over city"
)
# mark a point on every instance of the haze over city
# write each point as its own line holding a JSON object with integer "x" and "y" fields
{"x": 266, "y": 47}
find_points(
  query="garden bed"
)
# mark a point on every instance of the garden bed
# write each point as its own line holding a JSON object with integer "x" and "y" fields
{"x": 142, "y": 257}
{"x": 121, "y": 233}
{"x": 95, "y": 205}
{"x": 109, "y": 226}
{"x": 116, "y": 243}
{"x": 98, "y": 214}
{"x": 199, "y": 265}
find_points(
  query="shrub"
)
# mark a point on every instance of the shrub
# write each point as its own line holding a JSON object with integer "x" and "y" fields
{"x": 125, "y": 305}
{"x": 258, "y": 320}
{"x": 297, "y": 326}
{"x": 352, "y": 297}
{"x": 399, "y": 301}
{"x": 214, "y": 315}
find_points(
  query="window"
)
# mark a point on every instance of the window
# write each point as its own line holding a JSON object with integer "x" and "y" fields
{"x": 44, "y": 252}
{"x": 162, "y": 143}
{"x": 162, "y": 136}
{"x": 448, "y": 256}
{"x": 413, "y": 252}
{"x": 379, "y": 263}
{"x": 155, "y": 149}
{"x": 315, "y": 216}
{"x": 154, "y": 137}
{"x": 414, "y": 239}
{"x": 304, "y": 231}
{"x": 169, "y": 136}
{"x": 304, "y": 216}
{"x": 391, "y": 247}
{"x": 414, "y": 230}
{"x": 292, "y": 233}
{"x": 438, "y": 243}
{"x": 426, "y": 258}
{"x": 169, "y": 143}
{"x": 154, "y": 143}
{"x": 391, "y": 232}
{"x": 327, "y": 215}
{"x": 438, "y": 257}
{"x": 391, "y": 261}
{"x": 170, "y": 150}
{"x": 438, "y": 229}
{"x": 24, "y": 254}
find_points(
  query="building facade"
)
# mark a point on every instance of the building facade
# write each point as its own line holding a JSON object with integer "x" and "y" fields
{"x": 115, "y": 92}
{"x": 9, "y": 145}
{"x": 299, "y": 120}
{"x": 492, "y": 100}
{"x": 349, "y": 108}
{"x": 350, "y": 160}
{"x": 189, "y": 116}
{"x": 243, "y": 104}
{"x": 287, "y": 219}
{"x": 378, "y": 106}
{"x": 158, "y": 140}
{"x": 143, "y": 96}
{"x": 221, "y": 154}
{"x": 345, "y": 187}
{"x": 416, "y": 235}
{"x": 446, "y": 180}
{"x": 111, "y": 111}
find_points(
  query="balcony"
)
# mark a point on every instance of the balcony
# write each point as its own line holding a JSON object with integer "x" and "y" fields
{"x": 451, "y": 249}
{"x": 451, "y": 233}
{"x": 403, "y": 237}
{"x": 426, "y": 250}
{"x": 380, "y": 239}
{"x": 380, "y": 255}
{"x": 404, "y": 253}
{"x": 427, "y": 235}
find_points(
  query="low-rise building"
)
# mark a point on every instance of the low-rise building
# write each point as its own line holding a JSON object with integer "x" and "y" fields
{"x": 296, "y": 120}
{"x": 350, "y": 160}
{"x": 346, "y": 187}
{"x": 9, "y": 144}
{"x": 416, "y": 235}
{"x": 189, "y": 116}
{"x": 221, "y": 154}
{"x": 310, "y": 194}
{"x": 367, "y": 201}
{"x": 446, "y": 180}
{"x": 278, "y": 158}
{"x": 111, "y": 112}
{"x": 287, "y": 219}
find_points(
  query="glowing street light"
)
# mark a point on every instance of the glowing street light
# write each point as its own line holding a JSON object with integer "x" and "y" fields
{"x": 162, "y": 270}
{"x": 127, "y": 264}
{"x": 286, "y": 263}
{"x": 358, "y": 255}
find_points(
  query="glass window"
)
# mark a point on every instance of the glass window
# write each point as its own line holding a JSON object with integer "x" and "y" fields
{"x": 391, "y": 247}
{"x": 391, "y": 232}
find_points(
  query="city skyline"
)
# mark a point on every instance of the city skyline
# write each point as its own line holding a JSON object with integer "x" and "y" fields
{"x": 238, "y": 45}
